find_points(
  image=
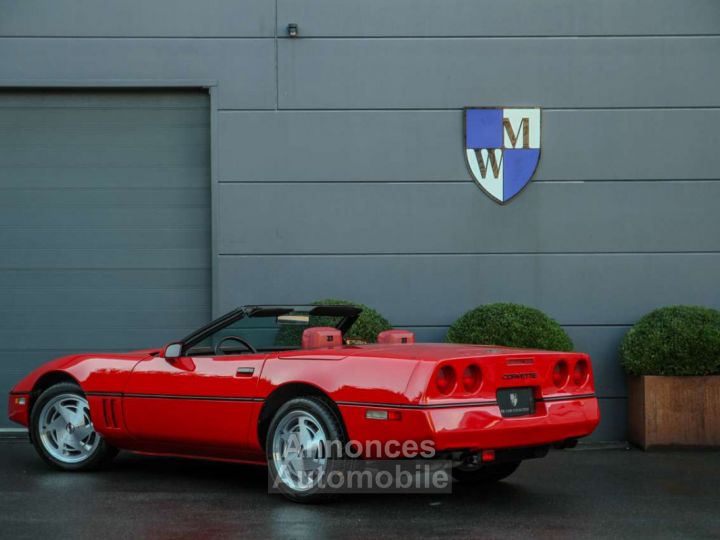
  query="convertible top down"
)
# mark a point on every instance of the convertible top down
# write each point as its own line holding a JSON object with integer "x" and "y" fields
{"x": 237, "y": 388}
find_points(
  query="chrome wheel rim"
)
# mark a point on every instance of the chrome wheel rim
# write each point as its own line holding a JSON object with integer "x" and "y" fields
{"x": 66, "y": 431}
{"x": 299, "y": 450}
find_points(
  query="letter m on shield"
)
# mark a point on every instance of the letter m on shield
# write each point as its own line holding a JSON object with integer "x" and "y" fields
{"x": 502, "y": 149}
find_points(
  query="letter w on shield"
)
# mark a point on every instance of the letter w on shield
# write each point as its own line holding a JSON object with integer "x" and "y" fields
{"x": 489, "y": 156}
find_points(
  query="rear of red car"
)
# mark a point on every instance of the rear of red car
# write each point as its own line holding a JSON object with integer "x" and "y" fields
{"x": 483, "y": 398}
{"x": 509, "y": 400}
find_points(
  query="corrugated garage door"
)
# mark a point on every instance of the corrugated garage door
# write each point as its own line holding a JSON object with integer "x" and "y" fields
{"x": 104, "y": 222}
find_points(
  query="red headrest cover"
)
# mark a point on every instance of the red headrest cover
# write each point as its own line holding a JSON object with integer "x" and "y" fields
{"x": 321, "y": 337}
{"x": 396, "y": 336}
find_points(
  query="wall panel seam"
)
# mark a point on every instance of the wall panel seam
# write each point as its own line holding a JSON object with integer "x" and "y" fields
{"x": 308, "y": 37}
{"x": 460, "y": 109}
{"x": 370, "y": 38}
{"x": 474, "y": 254}
{"x": 567, "y": 325}
{"x": 138, "y": 37}
{"x": 465, "y": 181}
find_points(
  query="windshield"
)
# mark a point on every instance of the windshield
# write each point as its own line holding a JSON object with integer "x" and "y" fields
{"x": 267, "y": 328}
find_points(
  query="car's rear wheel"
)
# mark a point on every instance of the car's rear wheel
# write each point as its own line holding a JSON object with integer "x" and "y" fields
{"x": 304, "y": 445}
{"x": 485, "y": 474}
{"x": 62, "y": 431}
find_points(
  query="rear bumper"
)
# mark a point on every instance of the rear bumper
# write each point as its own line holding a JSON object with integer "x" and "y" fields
{"x": 484, "y": 427}
{"x": 477, "y": 426}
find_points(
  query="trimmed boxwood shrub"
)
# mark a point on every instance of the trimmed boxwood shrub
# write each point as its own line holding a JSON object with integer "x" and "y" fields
{"x": 510, "y": 325}
{"x": 673, "y": 340}
{"x": 366, "y": 328}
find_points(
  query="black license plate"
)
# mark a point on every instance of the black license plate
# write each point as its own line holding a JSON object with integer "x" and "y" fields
{"x": 516, "y": 401}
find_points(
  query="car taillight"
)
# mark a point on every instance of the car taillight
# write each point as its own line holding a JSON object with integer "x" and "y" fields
{"x": 445, "y": 380}
{"x": 560, "y": 374}
{"x": 471, "y": 379}
{"x": 580, "y": 373}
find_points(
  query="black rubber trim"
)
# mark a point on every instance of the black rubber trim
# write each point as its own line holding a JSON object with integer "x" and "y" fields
{"x": 171, "y": 396}
{"x": 566, "y": 398}
{"x": 350, "y": 403}
{"x": 19, "y": 393}
{"x": 454, "y": 405}
{"x": 434, "y": 406}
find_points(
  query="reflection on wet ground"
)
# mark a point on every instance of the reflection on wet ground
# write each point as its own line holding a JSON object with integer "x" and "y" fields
{"x": 572, "y": 494}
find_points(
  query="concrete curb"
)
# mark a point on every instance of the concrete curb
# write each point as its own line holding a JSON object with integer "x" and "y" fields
{"x": 601, "y": 445}
{"x": 13, "y": 433}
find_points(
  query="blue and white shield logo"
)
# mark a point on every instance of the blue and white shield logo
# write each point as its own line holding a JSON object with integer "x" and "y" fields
{"x": 502, "y": 149}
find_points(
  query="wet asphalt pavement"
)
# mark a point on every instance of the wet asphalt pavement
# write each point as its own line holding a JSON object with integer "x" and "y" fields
{"x": 569, "y": 494}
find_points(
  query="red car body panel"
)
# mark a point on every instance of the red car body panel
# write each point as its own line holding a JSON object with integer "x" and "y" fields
{"x": 210, "y": 406}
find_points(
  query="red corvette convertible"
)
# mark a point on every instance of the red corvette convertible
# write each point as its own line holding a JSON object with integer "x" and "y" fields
{"x": 239, "y": 388}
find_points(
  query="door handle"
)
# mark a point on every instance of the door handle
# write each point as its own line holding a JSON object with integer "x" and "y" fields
{"x": 244, "y": 371}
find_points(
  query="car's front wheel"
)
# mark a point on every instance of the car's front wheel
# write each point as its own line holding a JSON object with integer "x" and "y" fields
{"x": 62, "y": 431}
{"x": 304, "y": 445}
{"x": 486, "y": 474}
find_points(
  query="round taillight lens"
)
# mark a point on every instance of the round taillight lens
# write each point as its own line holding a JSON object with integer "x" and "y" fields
{"x": 560, "y": 374}
{"x": 580, "y": 373}
{"x": 445, "y": 380}
{"x": 471, "y": 379}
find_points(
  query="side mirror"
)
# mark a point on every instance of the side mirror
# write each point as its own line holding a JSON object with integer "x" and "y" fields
{"x": 174, "y": 350}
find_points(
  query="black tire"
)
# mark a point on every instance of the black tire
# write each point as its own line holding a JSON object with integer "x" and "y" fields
{"x": 487, "y": 474}
{"x": 102, "y": 454}
{"x": 331, "y": 424}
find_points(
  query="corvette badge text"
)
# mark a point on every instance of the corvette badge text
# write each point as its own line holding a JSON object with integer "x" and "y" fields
{"x": 502, "y": 149}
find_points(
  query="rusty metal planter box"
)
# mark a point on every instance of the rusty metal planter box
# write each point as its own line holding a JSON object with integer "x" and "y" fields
{"x": 674, "y": 411}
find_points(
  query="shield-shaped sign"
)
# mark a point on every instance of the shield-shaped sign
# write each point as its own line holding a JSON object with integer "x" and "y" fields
{"x": 502, "y": 148}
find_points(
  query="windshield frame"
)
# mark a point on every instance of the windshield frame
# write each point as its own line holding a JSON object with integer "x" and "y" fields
{"x": 348, "y": 313}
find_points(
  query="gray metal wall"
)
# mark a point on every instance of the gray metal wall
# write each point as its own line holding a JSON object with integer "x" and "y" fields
{"x": 338, "y": 166}
{"x": 104, "y": 222}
